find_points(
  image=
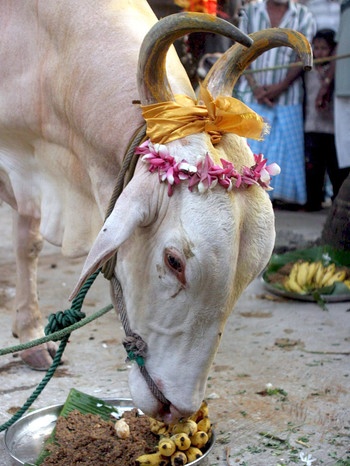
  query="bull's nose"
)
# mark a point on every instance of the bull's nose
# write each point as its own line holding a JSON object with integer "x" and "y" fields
{"x": 170, "y": 414}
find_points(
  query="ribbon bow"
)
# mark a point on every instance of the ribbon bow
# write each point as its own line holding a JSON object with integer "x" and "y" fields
{"x": 167, "y": 121}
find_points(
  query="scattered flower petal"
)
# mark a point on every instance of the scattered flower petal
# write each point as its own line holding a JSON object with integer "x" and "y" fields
{"x": 307, "y": 459}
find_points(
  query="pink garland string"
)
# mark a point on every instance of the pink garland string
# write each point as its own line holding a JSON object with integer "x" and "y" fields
{"x": 205, "y": 174}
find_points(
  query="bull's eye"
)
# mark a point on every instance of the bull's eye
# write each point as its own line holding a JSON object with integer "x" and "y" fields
{"x": 174, "y": 263}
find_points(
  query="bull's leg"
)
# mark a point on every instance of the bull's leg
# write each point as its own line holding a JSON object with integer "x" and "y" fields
{"x": 27, "y": 323}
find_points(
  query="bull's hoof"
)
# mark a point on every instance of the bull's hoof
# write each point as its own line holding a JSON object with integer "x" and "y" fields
{"x": 39, "y": 357}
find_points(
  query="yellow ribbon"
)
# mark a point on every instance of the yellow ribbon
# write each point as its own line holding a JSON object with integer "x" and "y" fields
{"x": 167, "y": 121}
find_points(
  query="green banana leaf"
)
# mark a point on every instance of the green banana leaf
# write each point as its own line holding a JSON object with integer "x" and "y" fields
{"x": 85, "y": 404}
{"x": 325, "y": 254}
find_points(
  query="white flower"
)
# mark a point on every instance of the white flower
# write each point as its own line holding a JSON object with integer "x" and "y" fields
{"x": 187, "y": 167}
{"x": 308, "y": 459}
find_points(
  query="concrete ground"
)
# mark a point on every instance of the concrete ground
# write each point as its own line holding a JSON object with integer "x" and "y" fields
{"x": 302, "y": 350}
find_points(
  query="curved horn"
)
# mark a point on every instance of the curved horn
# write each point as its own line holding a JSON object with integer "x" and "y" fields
{"x": 152, "y": 80}
{"x": 223, "y": 76}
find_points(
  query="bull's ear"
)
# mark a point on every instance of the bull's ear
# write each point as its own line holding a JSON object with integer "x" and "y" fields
{"x": 129, "y": 212}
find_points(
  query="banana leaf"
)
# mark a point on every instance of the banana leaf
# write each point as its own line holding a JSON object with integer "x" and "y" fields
{"x": 85, "y": 404}
{"x": 325, "y": 254}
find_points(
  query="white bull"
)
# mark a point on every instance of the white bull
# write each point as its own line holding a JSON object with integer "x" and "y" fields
{"x": 67, "y": 113}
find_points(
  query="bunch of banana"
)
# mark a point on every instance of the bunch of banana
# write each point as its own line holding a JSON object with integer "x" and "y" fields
{"x": 181, "y": 443}
{"x": 306, "y": 277}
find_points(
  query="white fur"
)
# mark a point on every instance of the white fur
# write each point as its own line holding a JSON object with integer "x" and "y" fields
{"x": 66, "y": 117}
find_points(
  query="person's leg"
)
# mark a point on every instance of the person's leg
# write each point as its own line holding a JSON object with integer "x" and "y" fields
{"x": 315, "y": 169}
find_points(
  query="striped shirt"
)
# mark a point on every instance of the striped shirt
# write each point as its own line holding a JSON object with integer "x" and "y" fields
{"x": 254, "y": 18}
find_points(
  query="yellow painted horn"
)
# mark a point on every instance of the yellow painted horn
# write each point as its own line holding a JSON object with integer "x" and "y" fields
{"x": 224, "y": 74}
{"x": 151, "y": 75}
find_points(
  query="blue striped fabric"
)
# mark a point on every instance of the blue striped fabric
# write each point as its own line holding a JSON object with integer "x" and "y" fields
{"x": 285, "y": 146}
{"x": 254, "y": 18}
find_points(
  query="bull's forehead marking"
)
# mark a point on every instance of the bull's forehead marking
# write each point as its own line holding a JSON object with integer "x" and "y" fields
{"x": 205, "y": 174}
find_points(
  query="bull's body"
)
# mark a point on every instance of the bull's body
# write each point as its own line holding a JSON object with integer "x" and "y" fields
{"x": 68, "y": 79}
{"x": 67, "y": 85}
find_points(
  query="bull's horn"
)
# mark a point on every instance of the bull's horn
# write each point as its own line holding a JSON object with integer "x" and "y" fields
{"x": 151, "y": 75}
{"x": 223, "y": 76}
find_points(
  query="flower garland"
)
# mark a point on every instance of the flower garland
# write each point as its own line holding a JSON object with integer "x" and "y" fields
{"x": 205, "y": 174}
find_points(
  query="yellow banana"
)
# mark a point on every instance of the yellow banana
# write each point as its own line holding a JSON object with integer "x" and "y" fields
{"x": 331, "y": 268}
{"x": 182, "y": 441}
{"x": 347, "y": 283}
{"x": 193, "y": 453}
{"x": 178, "y": 459}
{"x": 158, "y": 427}
{"x": 188, "y": 427}
{"x": 302, "y": 273}
{"x": 294, "y": 271}
{"x": 204, "y": 425}
{"x": 152, "y": 459}
{"x": 336, "y": 277}
{"x": 328, "y": 273}
{"x": 199, "y": 439}
{"x": 307, "y": 276}
{"x": 202, "y": 412}
{"x": 166, "y": 446}
{"x": 320, "y": 270}
{"x": 311, "y": 272}
{"x": 341, "y": 275}
{"x": 290, "y": 284}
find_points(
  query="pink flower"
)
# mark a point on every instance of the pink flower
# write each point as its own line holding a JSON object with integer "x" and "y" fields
{"x": 205, "y": 175}
{"x": 264, "y": 172}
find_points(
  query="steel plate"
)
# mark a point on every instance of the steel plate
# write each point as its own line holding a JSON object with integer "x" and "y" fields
{"x": 25, "y": 439}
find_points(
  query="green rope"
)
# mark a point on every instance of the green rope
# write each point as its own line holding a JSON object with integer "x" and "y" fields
{"x": 50, "y": 372}
{"x": 61, "y": 320}
{"x": 57, "y": 335}
{"x": 61, "y": 324}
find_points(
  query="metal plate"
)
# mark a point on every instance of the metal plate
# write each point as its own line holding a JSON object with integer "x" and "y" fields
{"x": 25, "y": 439}
{"x": 327, "y": 298}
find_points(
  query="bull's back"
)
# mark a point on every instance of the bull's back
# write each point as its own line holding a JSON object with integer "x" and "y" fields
{"x": 67, "y": 85}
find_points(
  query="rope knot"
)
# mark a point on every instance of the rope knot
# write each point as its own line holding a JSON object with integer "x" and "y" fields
{"x": 63, "y": 319}
{"x": 136, "y": 348}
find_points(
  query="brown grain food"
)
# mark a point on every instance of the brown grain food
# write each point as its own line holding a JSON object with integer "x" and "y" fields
{"x": 281, "y": 274}
{"x": 86, "y": 439}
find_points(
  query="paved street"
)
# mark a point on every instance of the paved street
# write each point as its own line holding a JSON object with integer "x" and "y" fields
{"x": 302, "y": 350}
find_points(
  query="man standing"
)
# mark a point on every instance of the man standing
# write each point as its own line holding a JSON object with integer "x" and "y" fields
{"x": 277, "y": 95}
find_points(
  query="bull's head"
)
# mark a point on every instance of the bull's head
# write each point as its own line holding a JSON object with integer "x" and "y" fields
{"x": 185, "y": 258}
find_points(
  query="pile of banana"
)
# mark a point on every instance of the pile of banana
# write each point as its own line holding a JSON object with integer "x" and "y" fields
{"x": 181, "y": 443}
{"x": 307, "y": 277}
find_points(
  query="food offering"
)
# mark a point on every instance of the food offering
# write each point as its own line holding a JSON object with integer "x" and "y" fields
{"x": 88, "y": 431}
{"x": 307, "y": 277}
{"x": 181, "y": 443}
{"x": 316, "y": 274}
